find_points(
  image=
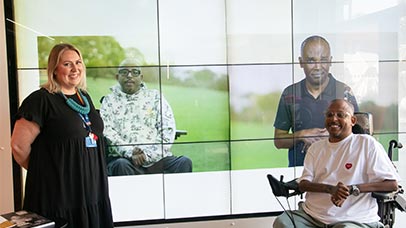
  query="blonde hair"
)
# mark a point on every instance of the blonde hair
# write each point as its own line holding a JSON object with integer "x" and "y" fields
{"x": 53, "y": 60}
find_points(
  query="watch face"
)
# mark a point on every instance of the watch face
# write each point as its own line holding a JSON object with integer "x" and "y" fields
{"x": 355, "y": 190}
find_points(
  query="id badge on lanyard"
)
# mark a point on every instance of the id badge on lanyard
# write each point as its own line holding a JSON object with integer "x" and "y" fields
{"x": 91, "y": 140}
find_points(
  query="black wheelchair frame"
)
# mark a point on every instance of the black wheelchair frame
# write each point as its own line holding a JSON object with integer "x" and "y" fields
{"x": 387, "y": 202}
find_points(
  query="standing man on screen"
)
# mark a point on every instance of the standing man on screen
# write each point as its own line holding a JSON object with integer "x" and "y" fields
{"x": 139, "y": 127}
{"x": 299, "y": 120}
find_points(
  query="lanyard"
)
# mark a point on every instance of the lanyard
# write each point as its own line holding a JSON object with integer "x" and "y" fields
{"x": 82, "y": 110}
{"x": 86, "y": 121}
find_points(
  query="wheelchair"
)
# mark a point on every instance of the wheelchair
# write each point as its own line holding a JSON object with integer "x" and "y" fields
{"x": 387, "y": 202}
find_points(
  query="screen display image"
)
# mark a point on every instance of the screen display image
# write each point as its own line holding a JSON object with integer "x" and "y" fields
{"x": 211, "y": 88}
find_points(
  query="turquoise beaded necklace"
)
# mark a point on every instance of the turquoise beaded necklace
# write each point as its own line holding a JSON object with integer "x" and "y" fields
{"x": 84, "y": 110}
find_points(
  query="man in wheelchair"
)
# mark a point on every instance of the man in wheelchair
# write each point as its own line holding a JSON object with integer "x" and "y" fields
{"x": 339, "y": 175}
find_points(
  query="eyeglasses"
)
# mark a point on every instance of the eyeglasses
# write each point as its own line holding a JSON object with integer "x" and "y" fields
{"x": 340, "y": 115}
{"x": 125, "y": 72}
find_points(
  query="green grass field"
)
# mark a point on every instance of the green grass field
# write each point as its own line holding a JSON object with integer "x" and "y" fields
{"x": 204, "y": 114}
{"x": 213, "y": 141}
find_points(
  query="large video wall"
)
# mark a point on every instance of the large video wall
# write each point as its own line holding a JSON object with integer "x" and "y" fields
{"x": 222, "y": 66}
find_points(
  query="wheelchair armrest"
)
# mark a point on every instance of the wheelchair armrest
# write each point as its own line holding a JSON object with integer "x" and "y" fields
{"x": 286, "y": 189}
{"x": 400, "y": 203}
{"x": 393, "y": 196}
{"x": 385, "y": 196}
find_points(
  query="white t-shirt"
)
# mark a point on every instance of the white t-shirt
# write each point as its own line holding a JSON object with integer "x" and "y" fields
{"x": 357, "y": 159}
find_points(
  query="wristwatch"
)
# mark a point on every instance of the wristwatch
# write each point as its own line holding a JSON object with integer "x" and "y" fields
{"x": 354, "y": 190}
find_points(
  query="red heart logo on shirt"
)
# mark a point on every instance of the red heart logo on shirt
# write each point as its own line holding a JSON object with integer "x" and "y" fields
{"x": 348, "y": 165}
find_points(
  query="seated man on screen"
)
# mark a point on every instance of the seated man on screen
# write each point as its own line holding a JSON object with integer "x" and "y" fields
{"x": 338, "y": 175}
{"x": 139, "y": 127}
{"x": 299, "y": 120}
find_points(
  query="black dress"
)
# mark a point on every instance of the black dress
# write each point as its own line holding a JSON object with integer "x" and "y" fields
{"x": 65, "y": 179}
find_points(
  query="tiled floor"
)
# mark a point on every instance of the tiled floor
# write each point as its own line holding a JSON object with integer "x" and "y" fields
{"x": 260, "y": 222}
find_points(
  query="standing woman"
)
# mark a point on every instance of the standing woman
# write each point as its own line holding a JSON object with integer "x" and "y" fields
{"x": 58, "y": 138}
